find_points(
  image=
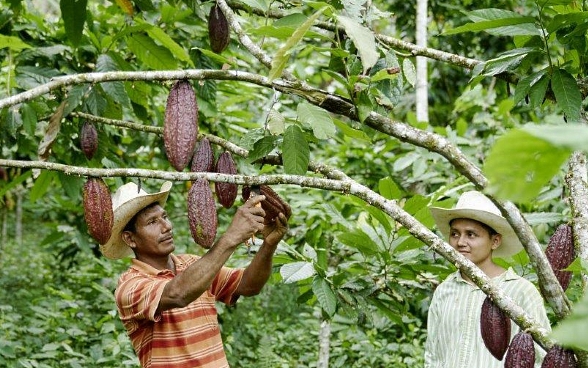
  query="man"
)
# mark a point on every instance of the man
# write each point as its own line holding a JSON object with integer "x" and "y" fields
{"x": 476, "y": 229}
{"x": 166, "y": 301}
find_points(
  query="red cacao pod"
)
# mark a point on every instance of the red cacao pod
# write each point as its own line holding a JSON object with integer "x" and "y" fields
{"x": 202, "y": 213}
{"x": 495, "y": 328}
{"x": 521, "y": 352}
{"x": 203, "y": 160}
{"x": 558, "y": 357}
{"x": 98, "y": 211}
{"x": 180, "y": 129}
{"x": 226, "y": 192}
{"x": 218, "y": 29}
{"x": 560, "y": 253}
{"x": 88, "y": 139}
{"x": 272, "y": 205}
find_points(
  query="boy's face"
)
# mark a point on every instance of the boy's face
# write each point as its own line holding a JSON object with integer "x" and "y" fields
{"x": 473, "y": 240}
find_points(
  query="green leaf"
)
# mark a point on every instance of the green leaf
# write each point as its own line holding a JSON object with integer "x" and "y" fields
{"x": 409, "y": 71}
{"x": 295, "y": 151}
{"x": 507, "y": 61}
{"x": 359, "y": 240}
{"x": 570, "y": 136}
{"x": 73, "y": 13}
{"x": 115, "y": 90}
{"x": 166, "y": 41}
{"x": 389, "y": 189}
{"x": 276, "y": 123}
{"x": 537, "y": 91}
{"x": 325, "y": 295}
{"x": 573, "y": 330}
{"x": 296, "y": 271}
{"x": 283, "y": 54}
{"x": 42, "y": 183}
{"x": 350, "y": 132}
{"x": 525, "y": 84}
{"x": 567, "y": 94}
{"x": 520, "y": 164}
{"x": 148, "y": 52}
{"x": 317, "y": 118}
{"x": 262, "y": 148}
{"x": 500, "y": 22}
{"x": 363, "y": 39}
{"x": 13, "y": 43}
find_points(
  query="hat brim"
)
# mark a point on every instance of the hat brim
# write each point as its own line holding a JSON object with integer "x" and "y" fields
{"x": 510, "y": 245}
{"x": 115, "y": 247}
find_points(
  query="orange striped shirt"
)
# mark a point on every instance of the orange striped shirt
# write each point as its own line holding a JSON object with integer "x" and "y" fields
{"x": 177, "y": 338}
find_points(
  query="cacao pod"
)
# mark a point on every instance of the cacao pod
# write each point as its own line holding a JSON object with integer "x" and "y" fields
{"x": 226, "y": 192}
{"x": 202, "y": 213}
{"x": 521, "y": 352}
{"x": 495, "y": 328}
{"x": 180, "y": 129}
{"x": 98, "y": 211}
{"x": 3, "y": 174}
{"x": 558, "y": 357}
{"x": 203, "y": 160}
{"x": 88, "y": 139}
{"x": 218, "y": 29}
{"x": 560, "y": 253}
{"x": 272, "y": 205}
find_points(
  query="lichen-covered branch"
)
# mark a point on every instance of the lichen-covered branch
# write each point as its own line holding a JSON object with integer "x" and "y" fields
{"x": 576, "y": 180}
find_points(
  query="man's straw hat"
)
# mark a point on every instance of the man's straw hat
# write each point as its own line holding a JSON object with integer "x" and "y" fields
{"x": 126, "y": 203}
{"x": 476, "y": 206}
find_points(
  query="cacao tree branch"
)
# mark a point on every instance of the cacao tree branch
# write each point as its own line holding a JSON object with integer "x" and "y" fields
{"x": 348, "y": 186}
{"x": 576, "y": 180}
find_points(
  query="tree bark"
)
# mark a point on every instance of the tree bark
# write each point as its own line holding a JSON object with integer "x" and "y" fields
{"x": 324, "y": 344}
{"x": 422, "y": 91}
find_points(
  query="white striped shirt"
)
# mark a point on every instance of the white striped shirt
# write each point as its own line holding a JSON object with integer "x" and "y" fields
{"x": 454, "y": 339}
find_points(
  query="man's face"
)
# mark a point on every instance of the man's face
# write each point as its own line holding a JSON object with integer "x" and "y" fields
{"x": 153, "y": 233}
{"x": 473, "y": 240}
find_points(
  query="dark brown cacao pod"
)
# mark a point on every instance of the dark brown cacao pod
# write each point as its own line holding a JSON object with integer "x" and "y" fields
{"x": 218, "y": 29}
{"x": 203, "y": 160}
{"x": 272, "y": 205}
{"x": 558, "y": 357}
{"x": 521, "y": 352}
{"x": 180, "y": 129}
{"x": 88, "y": 139}
{"x": 98, "y": 211}
{"x": 202, "y": 213}
{"x": 226, "y": 192}
{"x": 560, "y": 253}
{"x": 495, "y": 328}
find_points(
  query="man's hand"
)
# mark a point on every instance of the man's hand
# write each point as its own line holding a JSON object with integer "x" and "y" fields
{"x": 247, "y": 221}
{"x": 275, "y": 230}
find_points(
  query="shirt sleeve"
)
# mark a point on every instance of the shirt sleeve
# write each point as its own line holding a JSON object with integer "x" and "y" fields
{"x": 137, "y": 298}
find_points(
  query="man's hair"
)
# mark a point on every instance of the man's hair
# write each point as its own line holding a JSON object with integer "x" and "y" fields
{"x": 131, "y": 225}
{"x": 489, "y": 229}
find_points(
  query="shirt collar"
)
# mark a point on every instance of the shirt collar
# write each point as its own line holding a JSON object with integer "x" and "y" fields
{"x": 145, "y": 268}
{"x": 508, "y": 275}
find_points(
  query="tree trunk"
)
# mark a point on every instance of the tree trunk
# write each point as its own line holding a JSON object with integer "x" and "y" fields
{"x": 4, "y": 231}
{"x": 422, "y": 88}
{"x": 18, "y": 219}
{"x": 324, "y": 344}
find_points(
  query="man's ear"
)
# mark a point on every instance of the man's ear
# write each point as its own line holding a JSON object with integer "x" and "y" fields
{"x": 496, "y": 241}
{"x": 128, "y": 238}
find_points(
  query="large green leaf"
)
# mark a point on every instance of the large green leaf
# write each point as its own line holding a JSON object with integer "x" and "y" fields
{"x": 166, "y": 41}
{"x": 325, "y": 295}
{"x": 567, "y": 94}
{"x": 363, "y": 39}
{"x": 12, "y": 43}
{"x": 520, "y": 164}
{"x": 296, "y": 271}
{"x": 573, "y": 331}
{"x": 295, "y": 151}
{"x": 507, "y": 61}
{"x": 359, "y": 240}
{"x": 500, "y": 22}
{"x": 73, "y": 13}
{"x": 262, "y": 148}
{"x": 283, "y": 54}
{"x": 525, "y": 84}
{"x": 318, "y": 119}
{"x": 148, "y": 52}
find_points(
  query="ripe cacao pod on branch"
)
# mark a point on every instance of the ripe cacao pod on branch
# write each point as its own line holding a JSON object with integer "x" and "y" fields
{"x": 558, "y": 357}
{"x": 495, "y": 328}
{"x": 560, "y": 253}
{"x": 218, "y": 29}
{"x": 180, "y": 129}
{"x": 202, "y": 213}
{"x": 521, "y": 352}
{"x": 272, "y": 205}
{"x": 98, "y": 211}
{"x": 88, "y": 139}
{"x": 226, "y": 192}
{"x": 203, "y": 160}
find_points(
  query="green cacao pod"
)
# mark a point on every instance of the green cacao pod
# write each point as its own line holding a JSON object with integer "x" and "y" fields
{"x": 202, "y": 213}
{"x": 226, "y": 192}
{"x": 203, "y": 160}
{"x": 560, "y": 253}
{"x": 558, "y": 357}
{"x": 495, "y": 328}
{"x": 98, "y": 211}
{"x": 180, "y": 129}
{"x": 218, "y": 29}
{"x": 88, "y": 139}
{"x": 272, "y": 205}
{"x": 521, "y": 352}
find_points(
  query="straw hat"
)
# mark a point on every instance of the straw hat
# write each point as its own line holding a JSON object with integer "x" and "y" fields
{"x": 476, "y": 206}
{"x": 126, "y": 203}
